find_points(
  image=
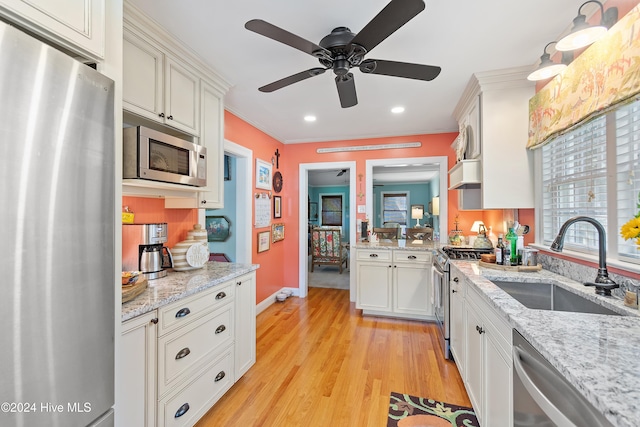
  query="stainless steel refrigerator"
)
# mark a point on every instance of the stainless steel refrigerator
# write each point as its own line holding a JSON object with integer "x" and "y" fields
{"x": 56, "y": 237}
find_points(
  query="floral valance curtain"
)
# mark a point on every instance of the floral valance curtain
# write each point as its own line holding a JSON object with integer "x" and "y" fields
{"x": 605, "y": 74}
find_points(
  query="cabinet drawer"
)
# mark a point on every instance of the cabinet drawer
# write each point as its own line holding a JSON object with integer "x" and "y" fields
{"x": 187, "y": 348}
{"x": 189, "y": 309}
{"x": 189, "y": 404}
{"x": 412, "y": 256}
{"x": 374, "y": 255}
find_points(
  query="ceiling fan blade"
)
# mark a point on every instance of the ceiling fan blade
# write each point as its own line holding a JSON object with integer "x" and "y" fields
{"x": 400, "y": 69}
{"x": 278, "y": 34}
{"x": 346, "y": 90}
{"x": 393, "y": 16}
{"x": 303, "y": 75}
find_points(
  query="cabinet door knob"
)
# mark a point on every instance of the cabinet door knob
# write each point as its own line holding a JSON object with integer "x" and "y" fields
{"x": 204, "y": 202}
{"x": 238, "y": 283}
{"x": 220, "y": 329}
{"x": 183, "y": 353}
{"x": 161, "y": 115}
{"x": 455, "y": 279}
{"x": 181, "y": 410}
{"x": 220, "y": 376}
{"x": 453, "y": 291}
{"x": 154, "y": 320}
{"x": 221, "y": 295}
{"x": 479, "y": 329}
{"x": 373, "y": 255}
{"x": 170, "y": 117}
{"x": 183, "y": 312}
{"x": 412, "y": 257}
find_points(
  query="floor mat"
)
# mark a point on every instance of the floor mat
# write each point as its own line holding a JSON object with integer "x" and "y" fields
{"x": 411, "y": 411}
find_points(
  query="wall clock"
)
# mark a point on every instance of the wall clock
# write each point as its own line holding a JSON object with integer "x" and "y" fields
{"x": 277, "y": 182}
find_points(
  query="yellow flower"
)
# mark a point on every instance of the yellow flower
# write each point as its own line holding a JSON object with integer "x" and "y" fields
{"x": 631, "y": 229}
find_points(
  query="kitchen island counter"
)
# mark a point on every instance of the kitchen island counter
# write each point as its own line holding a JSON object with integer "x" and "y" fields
{"x": 398, "y": 244}
{"x": 596, "y": 353}
{"x": 179, "y": 284}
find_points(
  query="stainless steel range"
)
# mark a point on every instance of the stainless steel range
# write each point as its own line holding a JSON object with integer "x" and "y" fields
{"x": 441, "y": 274}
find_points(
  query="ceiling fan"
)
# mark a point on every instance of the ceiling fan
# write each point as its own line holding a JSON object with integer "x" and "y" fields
{"x": 342, "y": 50}
{"x": 342, "y": 172}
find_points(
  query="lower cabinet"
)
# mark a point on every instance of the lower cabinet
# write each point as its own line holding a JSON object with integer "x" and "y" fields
{"x": 136, "y": 385}
{"x": 481, "y": 345}
{"x": 178, "y": 360}
{"x": 394, "y": 282}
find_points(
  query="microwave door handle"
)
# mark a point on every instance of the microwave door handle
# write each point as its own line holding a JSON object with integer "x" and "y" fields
{"x": 538, "y": 396}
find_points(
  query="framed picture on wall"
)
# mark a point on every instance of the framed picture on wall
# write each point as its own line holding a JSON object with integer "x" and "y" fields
{"x": 264, "y": 240}
{"x": 277, "y": 207}
{"x": 218, "y": 228}
{"x": 263, "y": 174}
{"x": 277, "y": 232}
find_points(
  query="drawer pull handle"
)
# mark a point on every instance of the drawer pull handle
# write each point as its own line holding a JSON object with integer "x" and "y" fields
{"x": 183, "y": 353}
{"x": 412, "y": 257}
{"x": 373, "y": 255}
{"x": 182, "y": 410}
{"x": 220, "y": 376}
{"x": 182, "y": 312}
{"x": 221, "y": 295}
{"x": 220, "y": 329}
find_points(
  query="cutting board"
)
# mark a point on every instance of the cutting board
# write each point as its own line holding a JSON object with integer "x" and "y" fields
{"x": 129, "y": 292}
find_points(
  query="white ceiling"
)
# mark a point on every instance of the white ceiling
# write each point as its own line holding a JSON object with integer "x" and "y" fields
{"x": 462, "y": 37}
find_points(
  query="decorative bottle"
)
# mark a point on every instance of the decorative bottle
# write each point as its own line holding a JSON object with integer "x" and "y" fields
{"x": 500, "y": 251}
{"x": 512, "y": 238}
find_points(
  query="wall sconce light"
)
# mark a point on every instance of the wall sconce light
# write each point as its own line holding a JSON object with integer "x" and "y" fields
{"x": 417, "y": 212}
{"x": 547, "y": 67}
{"x": 582, "y": 34}
{"x": 476, "y": 226}
{"x": 435, "y": 206}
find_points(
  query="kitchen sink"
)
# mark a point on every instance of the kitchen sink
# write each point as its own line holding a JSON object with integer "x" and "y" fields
{"x": 547, "y": 296}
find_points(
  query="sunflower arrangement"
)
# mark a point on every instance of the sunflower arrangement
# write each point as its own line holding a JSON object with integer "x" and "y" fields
{"x": 631, "y": 229}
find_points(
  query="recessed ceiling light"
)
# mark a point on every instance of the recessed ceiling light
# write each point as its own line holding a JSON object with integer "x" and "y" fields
{"x": 309, "y": 118}
{"x": 397, "y": 110}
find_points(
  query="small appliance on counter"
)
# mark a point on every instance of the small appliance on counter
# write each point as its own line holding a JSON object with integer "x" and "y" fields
{"x": 143, "y": 249}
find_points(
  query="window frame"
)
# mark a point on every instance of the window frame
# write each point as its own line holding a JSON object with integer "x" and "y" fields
{"x": 383, "y": 195}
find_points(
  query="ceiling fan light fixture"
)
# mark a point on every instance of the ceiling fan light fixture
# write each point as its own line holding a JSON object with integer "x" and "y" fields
{"x": 583, "y": 34}
{"x": 397, "y": 110}
{"x": 547, "y": 67}
{"x": 310, "y": 118}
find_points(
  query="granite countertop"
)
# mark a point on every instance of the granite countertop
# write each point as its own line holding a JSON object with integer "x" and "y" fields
{"x": 179, "y": 284}
{"x": 598, "y": 354}
{"x": 397, "y": 244}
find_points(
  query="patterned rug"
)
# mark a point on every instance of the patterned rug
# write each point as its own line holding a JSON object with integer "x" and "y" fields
{"x": 411, "y": 411}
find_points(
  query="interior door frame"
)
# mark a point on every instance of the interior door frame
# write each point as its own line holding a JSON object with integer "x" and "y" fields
{"x": 303, "y": 215}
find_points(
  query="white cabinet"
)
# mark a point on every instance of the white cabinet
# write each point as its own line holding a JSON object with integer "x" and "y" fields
{"x": 394, "y": 282}
{"x": 487, "y": 361}
{"x": 457, "y": 329}
{"x": 245, "y": 348}
{"x": 157, "y": 86}
{"x": 212, "y": 134}
{"x": 78, "y": 25}
{"x": 493, "y": 113}
{"x": 136, "y": 387}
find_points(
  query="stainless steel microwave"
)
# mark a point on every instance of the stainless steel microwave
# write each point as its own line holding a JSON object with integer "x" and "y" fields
{"x": 153, "y": 155}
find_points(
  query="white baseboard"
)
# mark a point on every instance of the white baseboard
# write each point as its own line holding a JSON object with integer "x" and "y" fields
{"x": 265, "y": 303}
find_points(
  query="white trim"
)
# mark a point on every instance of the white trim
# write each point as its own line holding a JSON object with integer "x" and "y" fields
{"x": 444, "y": 195}
{"x": 369, "y": 147}
{"x": 303, "y": 270}
{"x": 244, "y": 170}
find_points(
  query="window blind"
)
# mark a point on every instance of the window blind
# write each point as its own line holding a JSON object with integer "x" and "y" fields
{"x": 574, "y": 182}
{"x": 627, "y": 119}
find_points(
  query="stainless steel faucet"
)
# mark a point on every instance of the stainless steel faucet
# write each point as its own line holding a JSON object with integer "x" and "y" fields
{"x": 603, "y": 283}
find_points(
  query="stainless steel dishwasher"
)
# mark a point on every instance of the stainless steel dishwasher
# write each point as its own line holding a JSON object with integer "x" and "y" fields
{"x": 541, "y": 395}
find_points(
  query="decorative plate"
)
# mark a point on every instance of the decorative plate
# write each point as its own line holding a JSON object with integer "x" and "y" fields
{"x": 197, "y": 255}
{"x": 277, "y": 182}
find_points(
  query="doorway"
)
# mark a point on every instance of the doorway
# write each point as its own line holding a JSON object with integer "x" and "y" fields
{"x": 349, "y": 222}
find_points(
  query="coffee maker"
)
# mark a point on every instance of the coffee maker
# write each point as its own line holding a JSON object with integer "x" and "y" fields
{"x": 143, "y": 249}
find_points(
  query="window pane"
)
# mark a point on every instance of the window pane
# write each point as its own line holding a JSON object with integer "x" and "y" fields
{"x": 331, "y": 210}
{"x": 395, "y": 208}
{"x": 627, "y": 173}
{"x": 574, "y": 182}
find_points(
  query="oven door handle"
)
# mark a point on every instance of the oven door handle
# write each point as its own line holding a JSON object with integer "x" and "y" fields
{"x": 520, "y": 359}
{"x": 437, "y": 291}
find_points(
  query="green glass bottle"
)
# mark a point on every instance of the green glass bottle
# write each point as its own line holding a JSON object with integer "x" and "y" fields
{"x": 512, "y": 238}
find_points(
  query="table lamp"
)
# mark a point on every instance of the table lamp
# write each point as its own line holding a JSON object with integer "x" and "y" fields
{"x": 417, "y": 212}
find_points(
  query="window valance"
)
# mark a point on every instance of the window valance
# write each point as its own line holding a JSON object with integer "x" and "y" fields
{"x": 604, "y": 75}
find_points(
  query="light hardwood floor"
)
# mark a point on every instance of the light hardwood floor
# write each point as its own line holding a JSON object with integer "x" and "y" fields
{"x": 321, "y": 363}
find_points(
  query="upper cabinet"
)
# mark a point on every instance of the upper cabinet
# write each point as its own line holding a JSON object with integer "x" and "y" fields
{"x": 157, "y": 86}
{"x": 494, "y": 169}
{"x": 76, "y": 25}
